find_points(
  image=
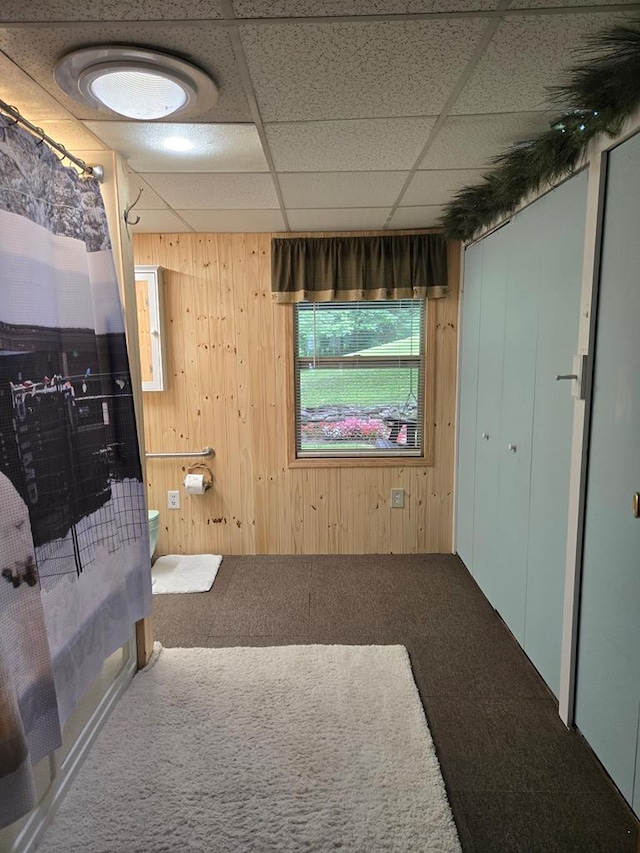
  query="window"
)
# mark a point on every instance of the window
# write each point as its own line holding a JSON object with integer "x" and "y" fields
{"x": 359, "y": 378}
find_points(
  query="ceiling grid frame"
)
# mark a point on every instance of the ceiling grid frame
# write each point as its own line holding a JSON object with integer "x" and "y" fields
{"x": 250, "y": 95}
{"x": 487, "y": 36}
{"x": 318, "y": 160}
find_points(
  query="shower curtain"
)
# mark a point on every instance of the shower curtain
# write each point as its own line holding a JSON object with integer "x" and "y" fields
{"x": 74, "y": 550}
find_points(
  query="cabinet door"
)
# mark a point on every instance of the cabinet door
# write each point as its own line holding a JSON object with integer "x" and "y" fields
{"x": 608, "y": 678}
{"x": 490, "y": 358}
{"x": 560, "y": 284}
{"x": 467, "y": 414}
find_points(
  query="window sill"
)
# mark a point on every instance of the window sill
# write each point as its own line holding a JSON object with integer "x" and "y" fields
{"x": 361, "y": 462}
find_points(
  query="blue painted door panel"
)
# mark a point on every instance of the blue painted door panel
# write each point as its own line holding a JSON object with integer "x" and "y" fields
{"x": 635, "y": 803}
{"x": 562, "y": 223}
{"x": 470, "y": 330}
{"x": 518, "y": 380}
{"x": 608, "y": 678}
{"x": 490, "y": 361}
{"x": 519, "y": 329}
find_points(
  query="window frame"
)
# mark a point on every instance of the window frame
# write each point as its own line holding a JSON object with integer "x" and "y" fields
{"x": 393, "y": 458}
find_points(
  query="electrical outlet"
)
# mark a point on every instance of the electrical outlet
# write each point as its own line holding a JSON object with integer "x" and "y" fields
{"x": 397, "y": 498}
{"x": 173, "y": 500}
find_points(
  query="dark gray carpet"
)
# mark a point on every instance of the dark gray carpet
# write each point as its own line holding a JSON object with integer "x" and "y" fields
{"x": 518, "y": 781}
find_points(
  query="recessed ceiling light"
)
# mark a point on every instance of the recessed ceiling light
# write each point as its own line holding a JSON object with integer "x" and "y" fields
{"x": 135, "y": 82}
{"x": 177, "y": 143}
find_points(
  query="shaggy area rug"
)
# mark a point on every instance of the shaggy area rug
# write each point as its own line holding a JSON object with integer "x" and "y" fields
{"x": 262, "y": 750}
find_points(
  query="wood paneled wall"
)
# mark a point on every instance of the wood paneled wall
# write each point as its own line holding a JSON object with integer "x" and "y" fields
{"x": 229, "y": 371}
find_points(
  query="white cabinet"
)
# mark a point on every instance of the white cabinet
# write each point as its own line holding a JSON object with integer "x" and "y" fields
{"x": 150, "y": 305}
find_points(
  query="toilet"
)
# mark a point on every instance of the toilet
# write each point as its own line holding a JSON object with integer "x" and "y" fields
{"x": 154, "y": 524}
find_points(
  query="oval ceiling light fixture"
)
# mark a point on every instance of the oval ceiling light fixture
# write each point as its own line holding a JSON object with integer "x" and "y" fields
{"x": 135, "y": 82}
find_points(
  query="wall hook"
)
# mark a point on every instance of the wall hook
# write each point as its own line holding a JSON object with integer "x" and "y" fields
{"x": 130, "y": 208}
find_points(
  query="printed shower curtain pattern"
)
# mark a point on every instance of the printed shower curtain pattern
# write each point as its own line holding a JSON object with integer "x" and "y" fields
{"x": 74, "y": 552}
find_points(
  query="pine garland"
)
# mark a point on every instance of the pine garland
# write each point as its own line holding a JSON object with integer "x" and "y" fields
{"x": 600, "y": 95}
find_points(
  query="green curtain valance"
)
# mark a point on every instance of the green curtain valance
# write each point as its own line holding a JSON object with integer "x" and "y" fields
{"x": 341, "y": 269}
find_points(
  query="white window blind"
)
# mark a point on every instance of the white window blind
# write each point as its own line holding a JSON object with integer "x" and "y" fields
{"x": 359, "y": 378}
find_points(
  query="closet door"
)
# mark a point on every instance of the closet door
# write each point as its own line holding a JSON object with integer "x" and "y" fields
{"x": 514, "y": 441}
{"x": 562, "y": 222}
{"x": 635, "y": 803}
{"x": 608, "y": 678}
{"x": 467, "y": 414}
{"x": 490, "y": 358}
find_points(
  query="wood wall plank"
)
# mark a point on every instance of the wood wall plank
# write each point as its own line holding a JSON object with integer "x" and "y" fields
{"x": 230, "y": 386}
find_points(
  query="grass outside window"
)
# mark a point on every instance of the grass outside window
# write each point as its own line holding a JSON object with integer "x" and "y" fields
{"x": 359, "y": 379}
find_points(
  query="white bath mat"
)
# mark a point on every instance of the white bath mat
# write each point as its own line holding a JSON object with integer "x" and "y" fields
{"x": 296, "y": 749}
{"x": 184, "y": 573}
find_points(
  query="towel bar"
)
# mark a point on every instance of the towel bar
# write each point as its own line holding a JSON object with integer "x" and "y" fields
{"x": 206, "y": 451}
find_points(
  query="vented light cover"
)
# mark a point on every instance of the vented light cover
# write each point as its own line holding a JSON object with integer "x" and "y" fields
{"x": 135, "y": 82}
{"x": 142, "y": 95}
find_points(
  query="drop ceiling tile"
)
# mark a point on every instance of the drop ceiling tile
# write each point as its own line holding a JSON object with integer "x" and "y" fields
{"x": 209, "y": 47}
{"x": 363, "y": 144}
{"x": 438, "y": 187}
{"x": 159, "y": 222}
{"x": 468, "y": 142}
{"x": 226, "y": 221}
{"x": 340, "y": 189}
{"x": 426, "y": 216}
{"x": 214, "y": 147}
{"x": 110, "y": 10}
{"x": 214, "y": 191}
{"x": 19, "y": 90}
{"x": 357, "y": 70}
{"x": 323, "y": 8}
{"x": 356, "y": 219}
{"x": 526, "y": 55}
{"x": 73, "y": 135}
{"x": 149, "y": 200}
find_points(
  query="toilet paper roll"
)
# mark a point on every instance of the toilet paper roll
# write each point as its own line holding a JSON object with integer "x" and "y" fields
{"x": 194, "y": 484}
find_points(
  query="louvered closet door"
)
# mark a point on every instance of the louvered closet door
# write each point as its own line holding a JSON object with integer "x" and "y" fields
{"x": 608, "y": 681}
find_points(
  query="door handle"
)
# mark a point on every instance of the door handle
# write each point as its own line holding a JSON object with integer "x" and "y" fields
{"x": 577, "y": 378}
{"x": 636, "y": 505}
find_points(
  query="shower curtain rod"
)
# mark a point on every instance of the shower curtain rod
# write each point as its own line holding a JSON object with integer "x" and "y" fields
{"x": 96, "y": 172}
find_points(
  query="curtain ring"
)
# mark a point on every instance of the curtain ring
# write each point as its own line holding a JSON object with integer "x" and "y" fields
{"x": 42, "y": 135}
{"x": 63, "y": 152}
{"x": 88, "y": 170}
{"x": 14, "y": 113}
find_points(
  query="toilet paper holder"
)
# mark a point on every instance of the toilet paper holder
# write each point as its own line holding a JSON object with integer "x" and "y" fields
{"x": 205, "y": 471}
